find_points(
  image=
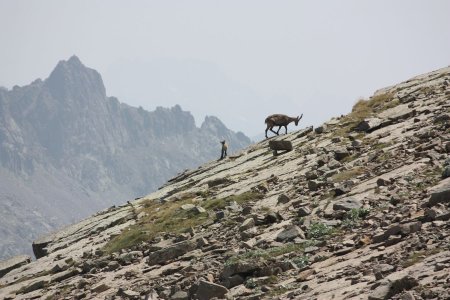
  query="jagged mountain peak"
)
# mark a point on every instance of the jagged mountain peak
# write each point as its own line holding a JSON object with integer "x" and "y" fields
{"x": 72, "y": 79}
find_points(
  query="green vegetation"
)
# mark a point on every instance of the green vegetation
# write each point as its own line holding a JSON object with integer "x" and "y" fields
{"x": 364, "y": 109}
{"x": 263, "y": 255}
{"x": 354, "y": 216}
{"x": 170, "y": 218}
{"x": 348, "y": 174}
{"x": 419, "y": 256}
{"x": 301, "y": 261}
{"x": 166, "y": 217}
{"x": 318, "y": 230}
{"x": 221, "y": 203}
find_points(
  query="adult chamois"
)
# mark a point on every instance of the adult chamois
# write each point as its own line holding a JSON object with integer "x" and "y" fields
{"x": 281, "y": 121}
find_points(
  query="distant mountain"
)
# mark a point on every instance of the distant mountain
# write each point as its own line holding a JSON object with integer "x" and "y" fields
{"x": 68, "y": 150}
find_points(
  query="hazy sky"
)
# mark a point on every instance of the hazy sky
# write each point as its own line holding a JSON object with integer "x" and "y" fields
{"x": 238, "y": 60}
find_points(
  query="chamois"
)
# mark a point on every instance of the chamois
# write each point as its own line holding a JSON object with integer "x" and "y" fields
{"x": 281, "y": 121}
{"x": 224, "y": 149}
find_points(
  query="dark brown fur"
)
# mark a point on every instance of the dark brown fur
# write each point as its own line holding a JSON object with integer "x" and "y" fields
{"x": 281, "y": 121}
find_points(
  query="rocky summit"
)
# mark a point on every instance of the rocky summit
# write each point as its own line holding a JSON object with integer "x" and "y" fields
{"x": 357, "y": 208}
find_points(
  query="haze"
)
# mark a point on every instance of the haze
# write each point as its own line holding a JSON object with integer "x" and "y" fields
{"x": 238, "y": 60}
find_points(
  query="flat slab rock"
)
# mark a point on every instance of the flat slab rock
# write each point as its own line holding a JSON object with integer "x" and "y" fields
{"x": 347, "y": 204}
{"x": 13, "y": 263}
{"x": 440, "y": 193}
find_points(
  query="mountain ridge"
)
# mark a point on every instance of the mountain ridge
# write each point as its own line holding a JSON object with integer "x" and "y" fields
{"x": 94, "y": 150}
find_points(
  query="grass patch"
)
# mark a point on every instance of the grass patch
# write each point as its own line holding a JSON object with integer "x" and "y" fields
{"x": 354, "y": 216}
{"x": 221, "y": 203}
{"x": 419, "y": 256}
{"x": 167, "y": 217}
{"x": 348, "y": 174}
{"x": 364, "y": 109}
{"x": 319, "y": 230}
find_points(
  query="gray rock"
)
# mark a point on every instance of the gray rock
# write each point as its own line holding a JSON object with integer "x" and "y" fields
{"x": 35, "y": 285}
{"x": 340, "y": 153}
{"x": 396, "y": 229}
{"x": 440, "y": 193}
{"x": 347, "y": 204}
{"x": 341, "y": 190}
{"x": 304, "y": 211}
{"x": 234, "y": 280}
{"x": 13, "y": 263}
{"x": 248, "y": 223}
{"x": 208, "y": 290}
{"x": 321, "y": 129}
{"x": 380, "y": 293}
{"x": 304, "y": 132}
{"x": 188, "y": 206}
{"x": 369, "y": 125}
{"x": 314, "y": 185}
{"x": 282, "y": 199}
{"x": 446, "y": 172}
{"x": 310, "y": 175}
{"x": 382, "y": 182}
{"x": 290, "y": 233}
{"x": 130, "y": 257}
{"x": 64, "y": 275}
{"x": 333, "y": 164}
{"x": 171, "y": 252}
{"x": 221, "y": 214}
{"x": 180, "y": 295}
{"x": 381, "y": 270}
{"x": 280, "y": 145}
{"x": 100, "y": 288}
{"x": 240, "y": 267}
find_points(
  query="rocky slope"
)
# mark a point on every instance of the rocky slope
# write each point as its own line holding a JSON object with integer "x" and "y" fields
{"x": 359, "y": 209}
{"x": 67, "y": 150}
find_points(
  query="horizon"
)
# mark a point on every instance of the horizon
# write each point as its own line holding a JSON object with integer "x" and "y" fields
{"x": 310, "y": 58}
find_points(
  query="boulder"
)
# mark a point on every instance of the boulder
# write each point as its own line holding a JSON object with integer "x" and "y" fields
{"x": 303, "y": 211}
{"x": 208, "y": 290}
{"x": 369, "y": 125}
{"x": 340, "y": 153}
{"x": 314, "y": 185}
{"x": 440, "y": 193}
{"x": 40, "y": 245}
{"x": 180, "y": 295}
{"x": 240, "y": 267}
{"x": 290, "y": 233}
{"x": 282, "y": 199}
{"x": 248, "y": 223}
{"x": 321, "y": 129}
{"x": 13, "y": 263}
{"x": 347, "y": 204}
{"x": 280, "y": 145}
{"x": 162, "y": 256}
{"x": 402, "y": 229}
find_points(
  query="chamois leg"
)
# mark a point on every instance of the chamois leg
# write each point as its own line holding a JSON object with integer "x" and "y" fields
{"x": 271, "y": 129}
{"x": 278, "y": 131}
{"x": 267, "y": 128}
{"x": 286, "y": 128}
